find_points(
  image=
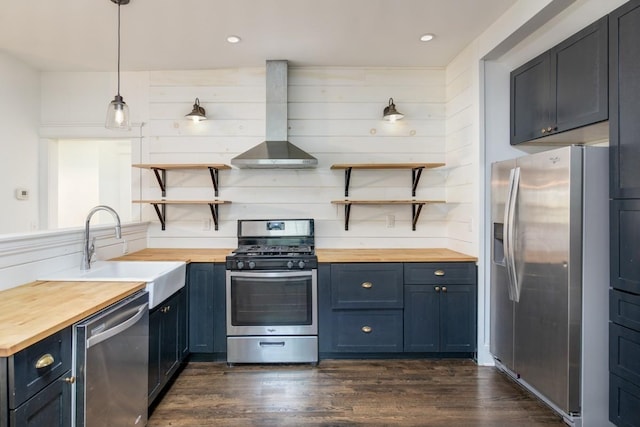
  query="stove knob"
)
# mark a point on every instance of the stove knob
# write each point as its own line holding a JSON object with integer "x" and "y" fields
{"x": 290, "y": 265}
{"x": 240, "y": 265}
{"x": 301, "y": 265}
{"x": 252, "y": 265}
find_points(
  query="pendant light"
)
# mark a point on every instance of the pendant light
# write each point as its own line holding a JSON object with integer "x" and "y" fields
{"x": 390, "y": 112}
{"x": 198, "y": 113}
{"x": 118, "y": 110}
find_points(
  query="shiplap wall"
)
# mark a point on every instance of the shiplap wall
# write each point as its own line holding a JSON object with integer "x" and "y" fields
{"x": 335, "y": 115}
{"x": 463, "y": 152}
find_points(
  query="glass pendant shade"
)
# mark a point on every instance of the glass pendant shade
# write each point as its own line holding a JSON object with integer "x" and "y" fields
{"x": 118, "y": 114}
{"x": 390, "y": 112}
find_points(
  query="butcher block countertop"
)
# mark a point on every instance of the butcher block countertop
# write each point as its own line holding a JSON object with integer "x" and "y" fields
{"x": 31, "y": 312}
{"x": 392, "y": 255}
{"x": 324, "y": 255}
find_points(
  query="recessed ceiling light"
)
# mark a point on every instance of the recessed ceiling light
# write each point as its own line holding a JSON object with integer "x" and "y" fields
{"x": 233, "y": 39}
{"x": 427, "y": 37}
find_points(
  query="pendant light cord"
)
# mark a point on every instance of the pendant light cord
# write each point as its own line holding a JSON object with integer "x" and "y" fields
{"x": 118, "y": 48}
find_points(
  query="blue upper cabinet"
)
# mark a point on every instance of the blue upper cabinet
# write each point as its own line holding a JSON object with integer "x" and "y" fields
{"x": 624, "y": 122}
{"x": 563, "y": 89}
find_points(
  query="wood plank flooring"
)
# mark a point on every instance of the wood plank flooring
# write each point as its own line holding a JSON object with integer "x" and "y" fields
{"x": 349, "y": 393}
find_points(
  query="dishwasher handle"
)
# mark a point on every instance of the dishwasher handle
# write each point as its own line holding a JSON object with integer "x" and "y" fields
{"x": 102, "y": 336}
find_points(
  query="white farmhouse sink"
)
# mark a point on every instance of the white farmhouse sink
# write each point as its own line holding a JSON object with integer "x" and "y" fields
{"x": 163, "y": 278}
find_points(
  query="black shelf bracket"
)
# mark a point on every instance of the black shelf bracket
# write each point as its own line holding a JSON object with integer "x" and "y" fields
{"x": 214, "y": 179}
{"x": 161, "y": 176}
{"x": 416, "y": 208}
{"x": 214, "y": 213}
{"x": 347, "y": 180}
{"x": 415, "y": 177}
{"x": 161, "y": 211}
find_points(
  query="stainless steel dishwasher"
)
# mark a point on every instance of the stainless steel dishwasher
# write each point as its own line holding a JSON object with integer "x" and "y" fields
{"x": 111, "y": 365}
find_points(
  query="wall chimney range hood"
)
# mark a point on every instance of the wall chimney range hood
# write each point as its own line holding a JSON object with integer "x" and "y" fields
{"x": 276, "y": 152}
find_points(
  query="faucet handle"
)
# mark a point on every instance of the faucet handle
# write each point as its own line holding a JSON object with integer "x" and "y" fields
{"x": 92, "y": 249}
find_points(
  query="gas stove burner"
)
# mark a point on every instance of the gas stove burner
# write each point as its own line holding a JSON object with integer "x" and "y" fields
{"x": 274, "y": 245}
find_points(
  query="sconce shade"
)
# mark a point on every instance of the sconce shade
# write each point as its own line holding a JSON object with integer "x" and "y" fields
{"x": 118, "y": 114}
{"x": 390, "y": 112}
{"x": 198, "y": 113}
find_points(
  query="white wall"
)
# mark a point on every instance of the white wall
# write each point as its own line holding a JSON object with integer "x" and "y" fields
{"x": 336, "y": 115}
{"x": 19, "y": 110}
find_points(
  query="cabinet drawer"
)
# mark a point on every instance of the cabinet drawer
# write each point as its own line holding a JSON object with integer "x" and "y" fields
{"x": 26, "y": 379}
{"x": 366, "y": 286}
{"x": 624, "y": 352}
{"x": 367, "y": 331}
{"x": 624, "y": 402}
{"x": 624, "y": 309}
{"x": 459, "y": 273}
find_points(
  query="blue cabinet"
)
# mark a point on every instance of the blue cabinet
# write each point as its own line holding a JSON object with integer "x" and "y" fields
{"x": 375, "y": 309}
{"x": 207, "y": 309}
{"x": 624, "y": 150}
{"x": 36, "y": 384}
{"x": 562, "y": 89}
{"x": 168, "y": 342}
{"x": 440, "y": 307}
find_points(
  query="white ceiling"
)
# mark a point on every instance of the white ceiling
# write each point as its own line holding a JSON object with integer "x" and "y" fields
{"x": 80, "y": 35}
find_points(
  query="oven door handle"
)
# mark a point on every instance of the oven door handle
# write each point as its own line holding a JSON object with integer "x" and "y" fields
{"x": 271, "y": 273}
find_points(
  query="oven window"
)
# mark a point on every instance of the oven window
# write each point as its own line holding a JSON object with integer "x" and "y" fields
{"x": 270, "y": 301}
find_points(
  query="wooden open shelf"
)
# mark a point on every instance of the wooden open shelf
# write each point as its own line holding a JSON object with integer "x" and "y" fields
{"x": 416, "y": 207}
{"x": 416, "y": 171}
{"x": 161, "y": 207}
{"x": 160, "y": 170}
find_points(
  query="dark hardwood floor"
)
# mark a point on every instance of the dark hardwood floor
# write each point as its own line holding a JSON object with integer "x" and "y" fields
{"x": 349, "y": 393}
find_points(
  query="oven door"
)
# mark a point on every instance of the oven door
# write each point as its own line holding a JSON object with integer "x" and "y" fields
{"x": 272, "y": 303}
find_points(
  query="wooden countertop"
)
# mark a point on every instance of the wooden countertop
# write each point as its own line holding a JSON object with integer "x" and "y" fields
{"x": 392, "y": 255}
{"x": 324, "y": 255}
{"x": 186, "y": 255}
{"x": 31, "y": 312}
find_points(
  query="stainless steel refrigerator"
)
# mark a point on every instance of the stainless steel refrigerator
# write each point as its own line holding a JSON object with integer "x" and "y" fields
{"x": 549, "y": 278}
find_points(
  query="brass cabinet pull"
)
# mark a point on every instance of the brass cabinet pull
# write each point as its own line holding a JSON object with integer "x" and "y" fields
{"x": 543, "y": 130}
{"x": 165, "y": 309}
{"x": 367, "y": 285}
{"x": 69, "y": 380}
{"x": 44, "y": 361}
{"x": 444, "y": 289}
{"x": 367, "y": 329}
{"x": 439, "y": 272}
{"x": 437, "y": 288}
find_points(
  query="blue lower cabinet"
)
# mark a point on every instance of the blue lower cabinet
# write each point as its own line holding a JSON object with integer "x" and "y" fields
{"x": 624, "y": 402}
{"x": 368, "y": 309}
{"x": 367, "y": 331}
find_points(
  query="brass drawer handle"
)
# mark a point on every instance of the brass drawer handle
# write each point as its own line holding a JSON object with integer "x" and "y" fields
{"x": 44, "y": 361}
{"x": 439, "y": 272}
{"x": 69, "y": 380}
{"x": 367, "y": 285}
{"x": 367, "y": 329}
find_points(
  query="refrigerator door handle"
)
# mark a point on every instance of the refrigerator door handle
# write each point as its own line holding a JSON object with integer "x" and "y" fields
{"x": 511, "y": 221}
{"x": 507, "y": 230}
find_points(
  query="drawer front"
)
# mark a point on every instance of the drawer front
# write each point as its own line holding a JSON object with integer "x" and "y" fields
{"x": 366, "y": 286}
{"x": 624, "y": 352}
{"x": 440, "y": 273}
{"x": 624, "y": 402}
{"x": 53, "y": 354}
{"x": 367, "y": 331}
{"x": 624, "y": 309}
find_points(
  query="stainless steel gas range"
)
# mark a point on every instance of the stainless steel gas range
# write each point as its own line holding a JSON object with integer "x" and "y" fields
{"x": 272, "y": 293}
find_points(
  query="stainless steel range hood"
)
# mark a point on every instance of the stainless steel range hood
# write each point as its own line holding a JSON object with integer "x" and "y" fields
{"x": 276, "y": 152}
